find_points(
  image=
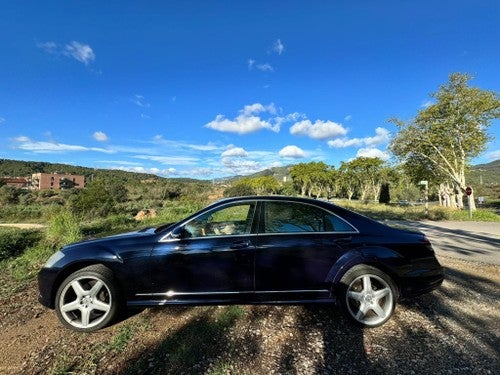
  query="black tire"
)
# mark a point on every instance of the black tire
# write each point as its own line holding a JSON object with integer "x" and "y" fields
{"x": 88, "y": 299}
{"x": 367, "y": 296}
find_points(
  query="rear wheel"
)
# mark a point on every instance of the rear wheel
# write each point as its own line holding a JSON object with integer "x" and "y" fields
{"x": 367, "y": 295}
{"x": 88, "y": 299}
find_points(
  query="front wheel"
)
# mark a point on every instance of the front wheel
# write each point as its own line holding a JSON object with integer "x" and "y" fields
{"x": 367, "y": 295}
{"x": 88, "y": 299}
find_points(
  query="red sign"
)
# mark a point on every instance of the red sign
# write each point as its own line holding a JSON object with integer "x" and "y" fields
{"x": 468, "y": 190}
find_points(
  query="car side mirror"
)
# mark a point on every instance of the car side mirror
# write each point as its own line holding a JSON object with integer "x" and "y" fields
{"x": 179, "y": 233}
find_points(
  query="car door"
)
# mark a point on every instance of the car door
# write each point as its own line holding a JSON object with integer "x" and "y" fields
{"x": 297, "y": 247}
{"x": 211, "y": 256}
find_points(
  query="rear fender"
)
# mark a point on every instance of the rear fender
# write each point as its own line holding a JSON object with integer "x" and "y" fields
{"x": 385, "y": 259}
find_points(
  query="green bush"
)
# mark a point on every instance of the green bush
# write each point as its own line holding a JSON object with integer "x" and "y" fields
{"x": 438, "y": 213}
{"x": 14, "y": 242}
{"x": 21, "y": 213}
{"x": 63, "y": 228}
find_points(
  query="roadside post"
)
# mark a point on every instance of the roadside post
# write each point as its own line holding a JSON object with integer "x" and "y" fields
{"x": 468, "y": 191}
{"x": 426, "y": 196}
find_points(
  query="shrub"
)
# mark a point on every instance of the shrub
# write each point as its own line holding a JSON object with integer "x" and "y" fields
{"x": 14, "y": 242}
{"x": 63, "y": 228}
{"x": 439, "y": 213}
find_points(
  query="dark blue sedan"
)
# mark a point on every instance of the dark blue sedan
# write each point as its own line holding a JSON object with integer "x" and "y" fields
{"x": 244, "y": 250}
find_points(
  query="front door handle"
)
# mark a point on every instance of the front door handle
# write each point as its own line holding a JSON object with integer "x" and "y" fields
{"x": 240, "y": 245}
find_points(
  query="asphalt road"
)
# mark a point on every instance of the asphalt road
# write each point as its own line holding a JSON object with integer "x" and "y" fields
{"x": 475, "y": 241}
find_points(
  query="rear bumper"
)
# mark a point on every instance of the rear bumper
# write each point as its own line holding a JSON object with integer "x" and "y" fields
{"x": 424, "y": 277}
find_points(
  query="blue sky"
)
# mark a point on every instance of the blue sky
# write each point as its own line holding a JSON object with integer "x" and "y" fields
{"x": 207, "y": 89}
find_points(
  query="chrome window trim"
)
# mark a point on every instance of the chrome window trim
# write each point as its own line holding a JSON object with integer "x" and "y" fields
{"x": 355, "y": 230}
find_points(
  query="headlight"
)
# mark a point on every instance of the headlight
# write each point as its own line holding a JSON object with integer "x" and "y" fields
{"x": 56, "y": 257}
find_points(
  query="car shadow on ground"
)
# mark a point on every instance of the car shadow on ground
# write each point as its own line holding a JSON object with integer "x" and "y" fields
{"x": 455, "y": 328}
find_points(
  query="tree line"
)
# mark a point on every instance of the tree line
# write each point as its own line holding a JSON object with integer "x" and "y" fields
{"x": 362, "y": 178}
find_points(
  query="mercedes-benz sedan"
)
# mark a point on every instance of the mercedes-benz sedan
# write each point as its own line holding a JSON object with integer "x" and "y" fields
{"x": 243, "y": 250}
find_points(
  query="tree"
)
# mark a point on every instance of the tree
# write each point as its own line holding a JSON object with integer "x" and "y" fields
{"x": 385, "y": 195}
{"x": 313, "y": 178}
{"x": 442, "y": 139}
{"x": 363, "y": 176}
{"x": 94, "y": 200}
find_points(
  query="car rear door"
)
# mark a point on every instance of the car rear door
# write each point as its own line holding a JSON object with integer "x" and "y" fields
{"x": 296, "y": 248}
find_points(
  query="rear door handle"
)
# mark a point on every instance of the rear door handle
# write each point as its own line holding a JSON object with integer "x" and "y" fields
{"x": 342, "y": 240}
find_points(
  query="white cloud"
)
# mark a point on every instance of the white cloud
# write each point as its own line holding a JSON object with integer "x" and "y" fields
{"x": 348, "y": 118}
{"x": 140, "y": 101}
{"x": 247, "y": 121}
{"x": 382, "y": 136}
{"x": 76, "y": 50}
{"x": 266, "y": 67}
{"x": 278, "y": 47}
{"x": 372, "y": 152}
{"x": 80, "y": 52}
{"x": 170, "y": 160}
{"x": 100, "y": 136}
{"x": 257, "y": 108}
{"x": 319, "y": 130}
{"x": 26, "y": 144}
{"x": 234, "y": 152}
{"x": 2, "y": 120}
{"x": 178, "y": 145}
{"x": 263, "y": 67}
{"x": 493, "y": 155}
{"x": 140, "y": 169}
{"x": 292, "y": 152}
{"x": 240, "y": 166}
{"x": 48, "y": 47}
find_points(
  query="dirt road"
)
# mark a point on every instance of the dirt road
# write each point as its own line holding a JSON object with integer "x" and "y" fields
{"x": 23, "y": 226}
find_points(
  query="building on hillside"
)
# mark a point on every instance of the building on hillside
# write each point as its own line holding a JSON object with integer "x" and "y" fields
{"x": 57, "y": 181}
{"x": 19, "y": 182}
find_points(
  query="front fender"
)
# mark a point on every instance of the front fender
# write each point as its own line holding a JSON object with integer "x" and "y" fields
{"x": 49, "y": 278}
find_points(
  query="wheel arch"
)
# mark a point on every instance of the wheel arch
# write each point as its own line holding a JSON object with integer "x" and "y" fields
{"x": 384, "y": 259}
{"x": 74, "y": 267}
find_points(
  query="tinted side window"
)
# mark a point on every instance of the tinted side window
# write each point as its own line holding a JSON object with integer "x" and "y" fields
{"x": 290, "y": 217}
{"x": 225, "y": 221}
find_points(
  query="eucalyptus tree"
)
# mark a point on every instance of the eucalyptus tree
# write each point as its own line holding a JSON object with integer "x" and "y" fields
{"x": 443, "y": 138}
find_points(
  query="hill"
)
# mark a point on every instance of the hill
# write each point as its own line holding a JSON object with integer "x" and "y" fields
{"x": 17, "y": 168}
{"x": 486, "y": 174}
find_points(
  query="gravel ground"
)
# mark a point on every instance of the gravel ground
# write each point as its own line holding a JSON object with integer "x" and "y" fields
{"x": 452, "y": 330}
